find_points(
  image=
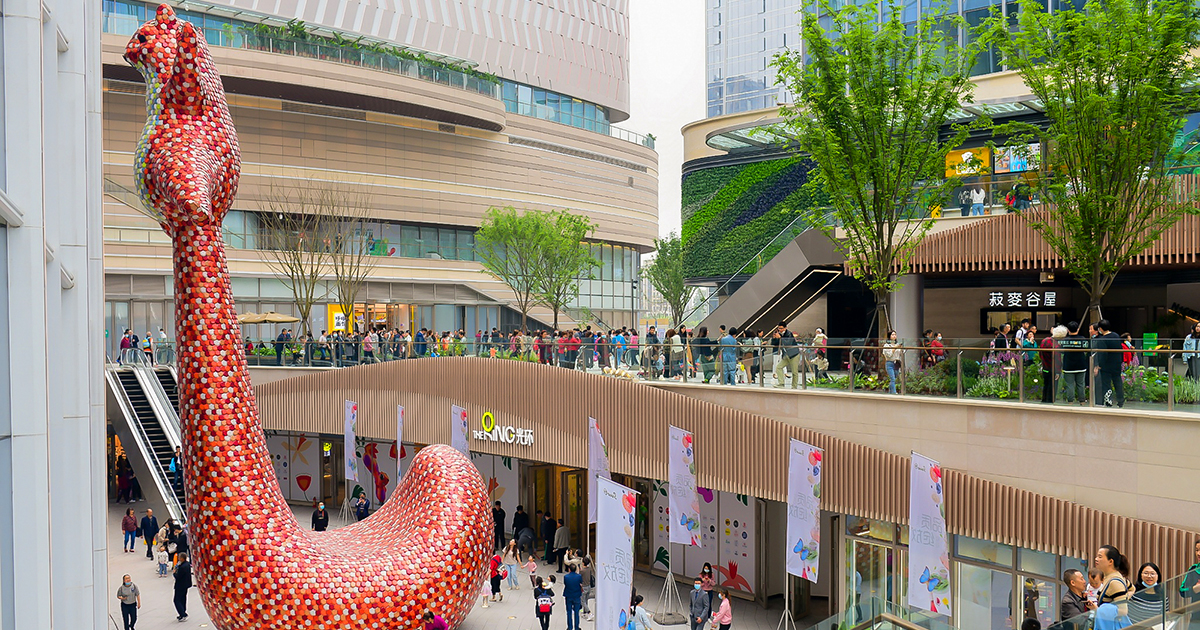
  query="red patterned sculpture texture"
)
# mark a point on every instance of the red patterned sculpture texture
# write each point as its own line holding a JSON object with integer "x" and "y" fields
{"x": 256, "y": 567}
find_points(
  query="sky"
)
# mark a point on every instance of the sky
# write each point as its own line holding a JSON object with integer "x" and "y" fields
{"x": 666, "y": 68}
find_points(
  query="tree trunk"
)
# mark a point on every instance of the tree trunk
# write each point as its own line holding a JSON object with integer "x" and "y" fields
{"x": 524, "y": 321}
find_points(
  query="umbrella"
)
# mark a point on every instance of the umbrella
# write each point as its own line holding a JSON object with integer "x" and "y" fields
{"x": 270, "y": 317}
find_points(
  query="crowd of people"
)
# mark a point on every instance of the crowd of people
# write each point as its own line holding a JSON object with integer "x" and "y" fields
{"x": 1066, "y": 355}
{"x": 167, "y": 548}
{"x": 1111, "y": 596}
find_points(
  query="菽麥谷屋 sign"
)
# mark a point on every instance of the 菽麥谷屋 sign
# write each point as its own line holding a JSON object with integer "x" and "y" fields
{"x": 505, "y": 434}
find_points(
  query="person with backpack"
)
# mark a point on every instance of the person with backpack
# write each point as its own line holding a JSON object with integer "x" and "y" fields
{"x": 543, "y": 603}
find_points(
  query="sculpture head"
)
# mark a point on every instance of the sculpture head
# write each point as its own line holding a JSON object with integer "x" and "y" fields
{"x": 153, "y": 48}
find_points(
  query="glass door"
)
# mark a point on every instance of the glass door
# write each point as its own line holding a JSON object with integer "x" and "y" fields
{"x": 870, "y": 579}
{"x": 641, "y": 531}
{"x": 574, "y": 489}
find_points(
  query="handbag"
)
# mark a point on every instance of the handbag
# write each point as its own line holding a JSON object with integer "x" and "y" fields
{"x": 545, "y": 603}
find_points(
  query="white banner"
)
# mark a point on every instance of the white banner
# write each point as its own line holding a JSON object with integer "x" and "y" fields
{"x": 399, "y": 445}
{"x": 928, "y": 545}
{"x": 684, "y": 503}
{"x": 597, "y": 464}
{"x": 614, "y": 553}
{"x": 349, "y": 453}
{"x": 804, "y": 510}
{"x": 458, "y": 430}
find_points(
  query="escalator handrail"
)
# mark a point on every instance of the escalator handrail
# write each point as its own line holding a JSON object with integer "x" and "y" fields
{"x": 143, "y": 445}
{"x": 806, "y": 217}
{"x": 160, "y": 403}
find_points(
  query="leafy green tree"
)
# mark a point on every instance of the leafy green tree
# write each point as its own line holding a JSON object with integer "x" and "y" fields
{"x": 872, "y": 104}
{"x": 510, "y": 245}
{"x": 1116, "y": 80}
{"x": 565, "y": 259}
{"x": 665, "y": 273}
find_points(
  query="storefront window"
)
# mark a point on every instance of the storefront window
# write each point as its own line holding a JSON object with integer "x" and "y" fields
{"x": 1038, "y": 599}
{"x": 870, "y": 528}
{"x": 984, "y": 551}
{"x": 870, "y": 582}
{"x": 984, "y": 598}
{"x": 1038, "y": 562}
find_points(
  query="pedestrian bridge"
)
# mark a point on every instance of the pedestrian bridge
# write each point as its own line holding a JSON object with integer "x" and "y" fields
{"x": 1014, "y": 473}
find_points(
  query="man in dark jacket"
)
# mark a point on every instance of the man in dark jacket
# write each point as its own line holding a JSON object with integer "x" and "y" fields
{"x": 320, "y": 518}
{"x": 1073, "y": 603}
{"x": 183, "y": 581}
{"x": 1074, "y": 364}
{"x": 149, "y": 526}
{"x": 498, "y": 518}
{"x": 548, "y": 527}
{"x": 1109, "y": 388}
{"x": 520, "y": 520}
{"x": 705, "y": 352}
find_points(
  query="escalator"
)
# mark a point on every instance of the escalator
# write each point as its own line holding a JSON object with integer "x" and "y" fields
{"x": 789, "y": 283}
{"x": 140, "y": 410}
{"x": 166, "y": 378}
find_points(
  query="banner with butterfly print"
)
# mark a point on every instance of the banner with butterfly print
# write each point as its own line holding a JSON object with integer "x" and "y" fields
{"x": 615, "y": 507}
{"x": 350, "y": 452}
{"x": 928, "y": 544}
{"x": 597, "y": 464}
{"x": 684, "y": 502}
{"x": 804, "y": 510}
{"x": 458, "y": 430}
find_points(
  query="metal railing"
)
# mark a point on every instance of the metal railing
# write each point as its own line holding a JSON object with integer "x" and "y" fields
{"x": 1156, "y": 378}
{"x": 326, "y": 51}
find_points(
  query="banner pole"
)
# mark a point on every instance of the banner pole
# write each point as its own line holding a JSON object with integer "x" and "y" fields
{"x": 786, "y": 621}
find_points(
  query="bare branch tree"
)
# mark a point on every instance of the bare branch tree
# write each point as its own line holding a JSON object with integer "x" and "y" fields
{"x": 295, "y": 232}
{"x": 354, "y": 246}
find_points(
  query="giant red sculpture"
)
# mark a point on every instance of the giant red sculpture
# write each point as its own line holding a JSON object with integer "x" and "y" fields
{"x": 256, "y": 567}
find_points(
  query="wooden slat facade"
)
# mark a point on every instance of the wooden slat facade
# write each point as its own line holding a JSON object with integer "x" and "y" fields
{"x": 1008, "y": 243}
{"x": 736, "y": 451}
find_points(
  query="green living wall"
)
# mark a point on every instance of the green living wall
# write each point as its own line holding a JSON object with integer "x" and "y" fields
{"x": 730, "y": 213}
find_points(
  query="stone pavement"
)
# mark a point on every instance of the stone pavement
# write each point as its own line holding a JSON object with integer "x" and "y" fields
{"x": 514, "y": 613}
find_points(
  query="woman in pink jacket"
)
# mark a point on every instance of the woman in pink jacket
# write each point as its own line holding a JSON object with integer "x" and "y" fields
{"x": 724, "y": 617}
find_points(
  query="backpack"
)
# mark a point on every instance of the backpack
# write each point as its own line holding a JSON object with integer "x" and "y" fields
{"x": 544, "y": 603}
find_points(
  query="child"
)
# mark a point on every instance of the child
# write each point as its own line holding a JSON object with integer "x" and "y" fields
{"x": 162, "y": 558}
{"x": 531, "y": 566}
{"x": 1095, "y": 577}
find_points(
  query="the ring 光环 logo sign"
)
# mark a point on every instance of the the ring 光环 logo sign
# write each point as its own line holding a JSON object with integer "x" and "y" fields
{"x": 505, "y": 434}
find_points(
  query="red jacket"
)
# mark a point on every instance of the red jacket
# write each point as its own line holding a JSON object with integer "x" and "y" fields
{"x": 495, "y": 566}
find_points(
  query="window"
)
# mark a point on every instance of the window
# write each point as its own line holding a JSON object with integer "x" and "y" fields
{"x": 983, "y": 551}
{"x": 984, "y": 597}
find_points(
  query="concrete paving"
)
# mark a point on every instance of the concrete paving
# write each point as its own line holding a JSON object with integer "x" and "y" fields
{"x": 515, "y": 612}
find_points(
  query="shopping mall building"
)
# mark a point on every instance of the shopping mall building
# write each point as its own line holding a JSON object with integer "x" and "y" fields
{"x": 504, "y": 105}
{"x": 742, "y": 198}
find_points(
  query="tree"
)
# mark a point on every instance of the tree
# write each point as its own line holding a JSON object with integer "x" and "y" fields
{"x": 1116, "y": 80}
{"x": 665, "y": 273}
{"x": 353, "y": 246}
{"x": 872, "y": 102}
{"x": 295, "y": 230}
{"x": 565, "y": 259}
{"x": 509, "y": 245}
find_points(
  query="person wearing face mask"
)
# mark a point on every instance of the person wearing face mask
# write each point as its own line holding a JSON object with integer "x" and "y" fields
{"x": 320, "y": 518}
{"x": 937, "y": 348}
{"x": 724, "y": 617}
{"x": 131, "y": 600}
{"x": 1148, "y": 601}
{"x": 700, "y": 609}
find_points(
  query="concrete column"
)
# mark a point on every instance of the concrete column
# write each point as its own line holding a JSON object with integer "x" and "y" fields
{"x": 907, "y": 311}
{"x": 53, "y": 566}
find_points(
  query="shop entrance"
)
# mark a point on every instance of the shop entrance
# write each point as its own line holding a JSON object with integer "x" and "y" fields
{"x": 560, "y": 491}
